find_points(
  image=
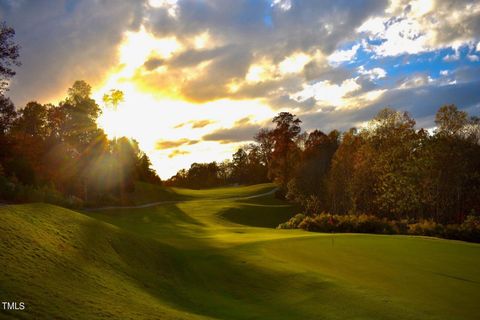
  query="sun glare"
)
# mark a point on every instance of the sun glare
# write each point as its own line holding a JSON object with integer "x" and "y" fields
{"x": 149, "y": 117}
{"x": 137, "y": 47}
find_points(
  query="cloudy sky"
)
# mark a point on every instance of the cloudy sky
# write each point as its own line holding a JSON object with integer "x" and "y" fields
{"x": 200, "y": 77}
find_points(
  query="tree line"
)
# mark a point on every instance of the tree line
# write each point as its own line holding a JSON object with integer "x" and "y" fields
{"x": 392, "y": 170}
{"x": 247, "y": 166}
{"x": 389, "y": 168}
{"x": 58, "y": 151}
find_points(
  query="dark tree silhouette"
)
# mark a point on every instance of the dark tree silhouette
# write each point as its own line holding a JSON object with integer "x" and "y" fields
{"x": 9, "y": 54}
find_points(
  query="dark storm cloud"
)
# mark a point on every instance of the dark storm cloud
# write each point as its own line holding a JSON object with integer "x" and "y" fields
{"x": 62, "y": 41}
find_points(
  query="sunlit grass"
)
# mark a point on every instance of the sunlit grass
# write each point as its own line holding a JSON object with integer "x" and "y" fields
{"x": 188, "y": 260}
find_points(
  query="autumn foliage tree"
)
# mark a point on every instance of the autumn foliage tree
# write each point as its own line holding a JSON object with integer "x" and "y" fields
{"x": 285, "y": 152}
{"x": 389, "y": 169}
{"x": 61, "y": 148}
{"x": 9, "y": 55}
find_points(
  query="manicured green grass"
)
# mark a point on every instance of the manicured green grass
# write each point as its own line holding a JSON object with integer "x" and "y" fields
{"x": 202, "y": 259}
{"x": 146, "y": 193}
{"x": 227, "y": 192}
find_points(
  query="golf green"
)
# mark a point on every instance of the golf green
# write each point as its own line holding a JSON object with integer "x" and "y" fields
{"x": 212, "y": 254}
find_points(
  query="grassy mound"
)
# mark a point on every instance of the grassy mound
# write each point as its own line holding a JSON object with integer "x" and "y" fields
{"x": 197, "y": 259}
{"x": 65, "y": 265}
{"x": 264, "y": 212}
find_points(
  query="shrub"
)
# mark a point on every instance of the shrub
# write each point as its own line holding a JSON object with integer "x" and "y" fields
{"x": 293, "y": 222}
{"x": 7, "y": 189}
{"x": 280, "y": 194}
{"x": 325, "y": 222}
{"x": 14, "y": 191}
{"x": 469, "y": 230}
{"x": 426, "y": 228}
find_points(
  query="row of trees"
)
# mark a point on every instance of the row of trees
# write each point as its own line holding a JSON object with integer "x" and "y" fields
{"x": 59, "y": 149}
{"x": 247, "y": 166}
{"x": 271, "y": 157}
{"x": 389, "y": 169}
{"x": 62, "y": 148}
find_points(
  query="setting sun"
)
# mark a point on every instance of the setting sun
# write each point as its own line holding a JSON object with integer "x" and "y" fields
{"x": 149, "y": 117}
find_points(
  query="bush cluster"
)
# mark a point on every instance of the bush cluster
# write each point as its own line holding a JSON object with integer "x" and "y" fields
{"x": 469, "y": 230}
{"x": 14, "y": 191}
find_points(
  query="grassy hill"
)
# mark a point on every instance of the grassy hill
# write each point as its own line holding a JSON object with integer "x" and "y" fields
{"x": 200, "y": 258}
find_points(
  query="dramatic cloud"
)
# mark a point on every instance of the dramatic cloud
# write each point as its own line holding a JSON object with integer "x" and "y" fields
{"x": 423, "y": 25}
{"x": 253, "y": 40}
{"x": 201, "y": 77}
{"x": 63, "y": 41}
{"x": 432, "y": 97}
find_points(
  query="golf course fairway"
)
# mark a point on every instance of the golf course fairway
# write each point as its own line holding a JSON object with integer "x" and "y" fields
{"x": 213, "y": 254}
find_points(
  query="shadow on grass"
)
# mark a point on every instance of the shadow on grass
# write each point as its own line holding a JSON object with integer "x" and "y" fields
{"x": 206, "y": 281}
{"x": 232, "y": 283}
{"x": 259, "y": 215}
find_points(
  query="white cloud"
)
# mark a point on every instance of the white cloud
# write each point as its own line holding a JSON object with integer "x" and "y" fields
{"x": 264, "y": 69}
{"x": 327, "y": 93}
{"x": 473, "y": 57}
{"x": 284, "y": 5}
{"x": 340, "y": 56}
{"x": 294, "y": 63}
{"x": 374, "y": 95}
{"x": 444, "y": 72}
{"x": 373, "y": 25}
{"x": 452, "y": 57}
{"x": 170, "y": 5}
{"x": 415, "y": 81}
{"x": 372, "y": 74}
{"x": 411, "y": 27}
{"x": 402, "y": 36}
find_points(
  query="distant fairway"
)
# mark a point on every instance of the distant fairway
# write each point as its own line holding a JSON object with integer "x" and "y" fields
{"x": 201, "y": 257}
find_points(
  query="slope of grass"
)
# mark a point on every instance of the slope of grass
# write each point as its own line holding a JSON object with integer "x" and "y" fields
{"x": 65, "y": 265}
{"x": 146, "y": 193}
{"x": 198, "y": 259}
{"x": 225, "y": 192}
{"x": 265, "y": 211}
